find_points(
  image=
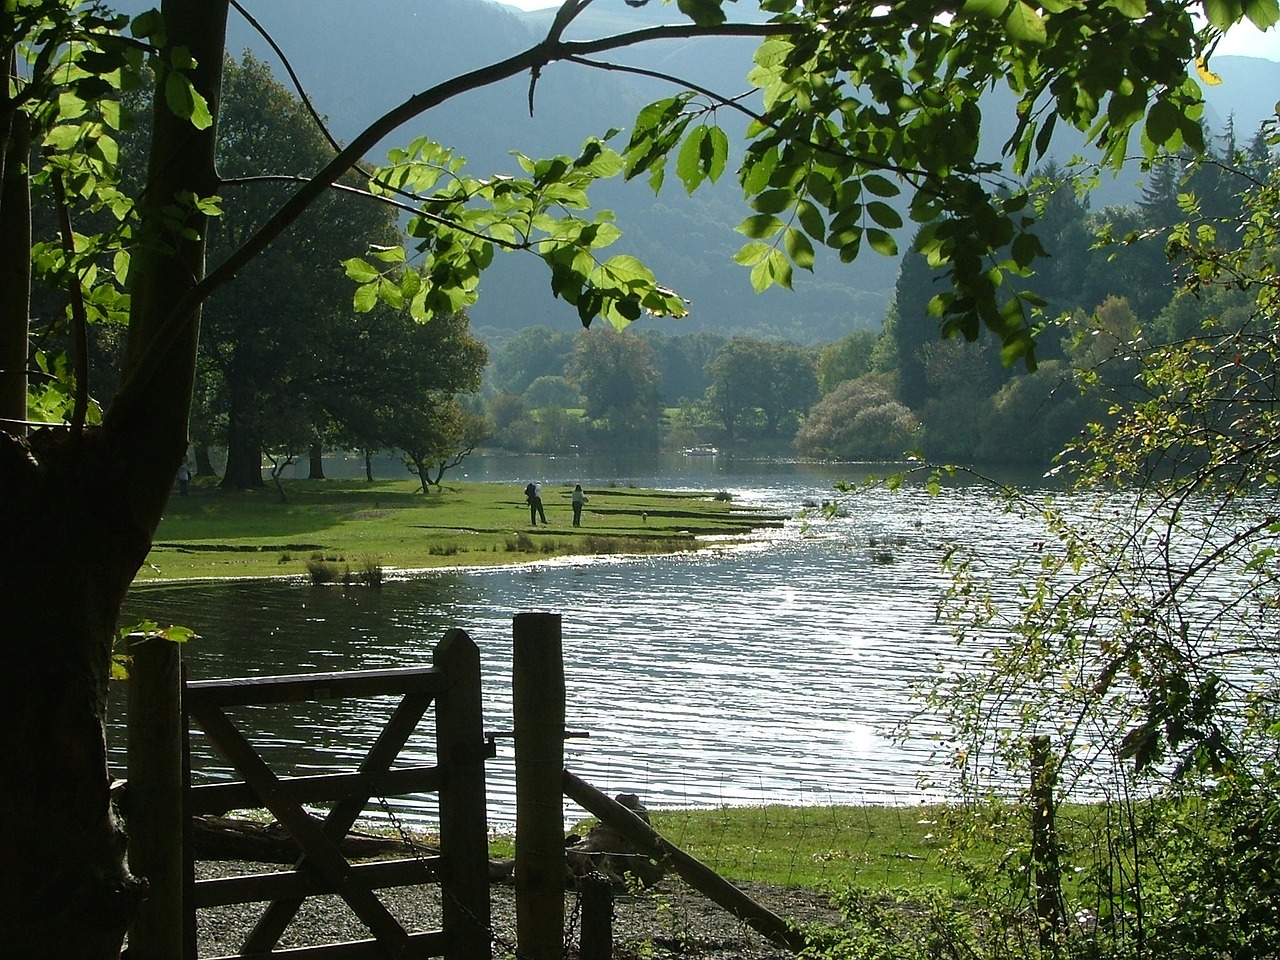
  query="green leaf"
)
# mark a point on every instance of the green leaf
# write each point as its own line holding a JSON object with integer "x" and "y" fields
{"x": 760, "y": 226}
{"x": 985, "y": 8}
{"x": 390, "y": 294}
{"x": 1026, "y": 247}
{"x": 774, "y": 270}
{"x": 811, "y": 219}
{"x": 625, "y": 269}
{"x": 799, "y": 249}
{"x": 719, "y": 157}
{"x": 1263, "y": 14}
{"x": 1133, "y": 9}
{"x": 1163, "y": 122}
{"x": 360, "y": 271}
{"x": 149, "y": 24}
{"x": 177, "y": 634}
{"x": 880, "y": 186}
{"x": 882, "y": 242}
{"x": 1223, "y": 13}
{"x": 752, "y": 253}
{"x": 884, "y": 215}
{"x": 393, "y": 254}
{"x": 705, "y": 13}
{"x": 1026, "y": 25}
{"x": 365, "y": 298}
{"x": 184, "y": 101}
{"x": 821, "y": 187}
{"x": 773, "y": 201}
{"x": 689, "y": 167}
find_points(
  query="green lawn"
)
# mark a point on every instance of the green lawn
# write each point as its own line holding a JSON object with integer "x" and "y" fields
{"x": 341, "y": 525}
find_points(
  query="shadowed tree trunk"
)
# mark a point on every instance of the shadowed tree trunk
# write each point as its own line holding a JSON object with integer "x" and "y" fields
{"x": 84, "y": 504}
{"x": 315, "y": 462}
{"x": 204, "y": 465}
{"x": 244, "y": 459}
{"x": 15, "y": 270}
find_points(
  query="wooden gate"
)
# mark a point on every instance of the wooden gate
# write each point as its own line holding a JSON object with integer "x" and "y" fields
{"x": 462, "y": 865}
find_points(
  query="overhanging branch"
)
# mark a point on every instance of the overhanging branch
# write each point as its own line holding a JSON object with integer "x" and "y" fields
{"x": 150, "y": 364}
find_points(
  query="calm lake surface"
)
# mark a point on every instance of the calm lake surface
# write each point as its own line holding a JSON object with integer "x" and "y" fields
{"x": 773, "y": 671}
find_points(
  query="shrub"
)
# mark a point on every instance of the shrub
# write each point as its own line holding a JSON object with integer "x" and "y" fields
{"x": 322, "y": 571}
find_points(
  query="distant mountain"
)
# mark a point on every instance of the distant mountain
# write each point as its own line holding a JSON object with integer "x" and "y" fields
{"x": 358, "y": 60}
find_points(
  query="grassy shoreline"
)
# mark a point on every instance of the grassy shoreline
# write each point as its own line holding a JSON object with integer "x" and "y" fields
{"x": 350, "y": 524}
{"x": 340, "y": 528}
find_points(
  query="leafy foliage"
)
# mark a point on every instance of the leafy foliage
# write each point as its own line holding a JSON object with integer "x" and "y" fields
{"x": 463, "y": 219}
{"x": 1141, "y": 635}
{"x": 859, "y": 420}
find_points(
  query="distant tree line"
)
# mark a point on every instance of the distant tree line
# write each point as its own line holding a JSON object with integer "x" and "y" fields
{"x": 268, "y": 393}
{"x": 1108, "y": 286}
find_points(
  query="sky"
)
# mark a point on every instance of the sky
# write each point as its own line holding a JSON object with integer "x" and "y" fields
{"x": 1243, "y": 41}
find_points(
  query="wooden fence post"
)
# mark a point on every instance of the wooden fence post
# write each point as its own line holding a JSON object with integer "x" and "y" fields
{"x": 537, "y": 694}
{"x": 464, "y": 827}
{"x": 1044, "y": 844}
{"x": 595, "y": 942}
{"x": 154, "y": 797}
{"x": 697, "y": 874}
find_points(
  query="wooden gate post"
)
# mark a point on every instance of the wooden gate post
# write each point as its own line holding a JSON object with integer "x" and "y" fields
{"x": 464, "y": 827}
{"x": 596, "y": 939}
{"x": 1044, "y": 844}
{"x": 154, "y": 804}
{"x": 537, "y": 695}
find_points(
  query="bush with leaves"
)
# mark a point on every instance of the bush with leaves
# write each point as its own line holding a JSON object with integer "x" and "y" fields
{"x": 1143, "y": 635}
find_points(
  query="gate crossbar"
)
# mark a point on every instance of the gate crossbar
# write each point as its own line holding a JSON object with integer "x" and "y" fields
{"x": 453, "y": 684}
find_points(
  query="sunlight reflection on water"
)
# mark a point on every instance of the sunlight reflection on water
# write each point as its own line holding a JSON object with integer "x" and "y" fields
{"x": 721, "y": 678}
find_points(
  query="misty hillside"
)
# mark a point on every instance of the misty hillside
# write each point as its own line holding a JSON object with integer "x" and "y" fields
{"x": 408, "y": 45}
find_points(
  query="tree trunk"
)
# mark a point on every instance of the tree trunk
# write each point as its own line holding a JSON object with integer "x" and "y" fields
{"x": 79, "y": 509}
{"x": 244, "y": 462}
{"x": 368, "y": 465}
{"x": 315, "y": 458}
{"x": 15, "y": 271}
{"x": 72, "y": 550}
{"x": 204, "y": 465}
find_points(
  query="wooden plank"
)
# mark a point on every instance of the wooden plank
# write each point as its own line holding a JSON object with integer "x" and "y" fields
{"x": 260, "y": 887}
{"x": 461, "y": 751}
{"x": 321, "y": 851}
{"x": 697, "y": 874}
{"x": 154, "y": 796}
{"x": 400, "y": 726}
{"x": 537, "y": 699}
{"x": 296, "y": 688}
{"x": 417, "y": 945}
{"x": 215, "y": 799}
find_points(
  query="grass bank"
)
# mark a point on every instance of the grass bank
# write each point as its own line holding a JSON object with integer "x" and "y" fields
{"x": 342, "y": 529}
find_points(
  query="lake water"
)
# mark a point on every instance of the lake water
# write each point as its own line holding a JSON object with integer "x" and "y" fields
{"x": 773, "y": 671}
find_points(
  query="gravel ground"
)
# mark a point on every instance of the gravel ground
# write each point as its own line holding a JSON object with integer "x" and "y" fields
{"x": 669, "y": 920}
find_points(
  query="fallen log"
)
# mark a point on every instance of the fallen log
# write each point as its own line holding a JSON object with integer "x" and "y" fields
{"x": 693, "y": 871}
{"x": 230, "y": 838}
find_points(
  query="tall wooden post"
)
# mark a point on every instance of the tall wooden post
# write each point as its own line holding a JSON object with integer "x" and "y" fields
{"x": 537, "y": 694}
{"x": 156, "y": 734}
{"x": 1044, "y": 844}
{"x": 464, "y": 828}
{"x": 596, "y": 939}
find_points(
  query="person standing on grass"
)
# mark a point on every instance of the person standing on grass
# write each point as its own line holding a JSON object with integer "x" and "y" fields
{"x": 579, "y": 498}
{"x": 533, "y": 493}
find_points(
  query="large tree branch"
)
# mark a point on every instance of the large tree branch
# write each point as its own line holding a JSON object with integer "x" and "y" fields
{"x": 150, "y": 365}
